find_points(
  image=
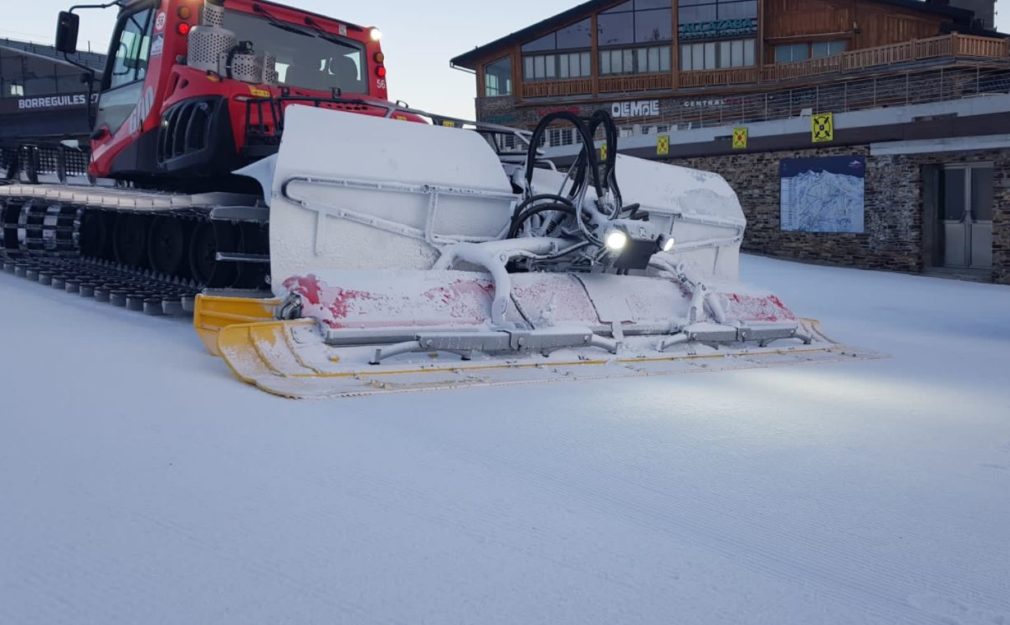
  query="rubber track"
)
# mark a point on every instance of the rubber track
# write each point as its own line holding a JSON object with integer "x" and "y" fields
{"x": 106, "y": 282}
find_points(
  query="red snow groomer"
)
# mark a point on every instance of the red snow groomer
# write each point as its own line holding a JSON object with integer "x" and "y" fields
{"x": 193, "y": 91}
{"x": 196, "y": 90}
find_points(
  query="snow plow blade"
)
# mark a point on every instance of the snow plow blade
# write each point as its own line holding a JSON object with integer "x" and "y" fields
{"x": 432, "y": 330}
{"x": 212, "y": 313}
{"x": 410, "y": 269}
{"x": 290, "y": 359}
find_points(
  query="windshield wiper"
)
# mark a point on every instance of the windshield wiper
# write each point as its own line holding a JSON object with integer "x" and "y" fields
{"x": 290, "y": 28}
{"x": 279, "y": 24}
{"x": 323, "y": 34}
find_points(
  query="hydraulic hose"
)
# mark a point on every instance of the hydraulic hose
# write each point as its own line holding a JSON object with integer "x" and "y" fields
{"x": 586, "y": 170}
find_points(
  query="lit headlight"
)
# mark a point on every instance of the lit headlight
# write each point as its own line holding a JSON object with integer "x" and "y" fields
{"x": 375, "y": 34}
{"x": 668, "y": 244}
{"x": 616, "y": 240}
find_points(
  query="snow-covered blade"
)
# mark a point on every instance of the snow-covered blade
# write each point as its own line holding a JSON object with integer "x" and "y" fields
{"x": 418, "y": 257}
{"x": 374, "y": 332}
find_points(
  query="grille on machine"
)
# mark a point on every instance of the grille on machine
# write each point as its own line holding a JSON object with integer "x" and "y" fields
{"x": 185, "y": 129}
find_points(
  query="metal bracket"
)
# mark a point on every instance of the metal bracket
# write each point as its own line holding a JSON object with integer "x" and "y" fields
{"x": 468, "y": 344}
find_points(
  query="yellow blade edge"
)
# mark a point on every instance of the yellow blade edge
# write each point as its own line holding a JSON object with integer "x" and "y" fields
{"x": 261, "y": 351}
{"x": 275, "y": 357}
{"x": 213, "y": 313}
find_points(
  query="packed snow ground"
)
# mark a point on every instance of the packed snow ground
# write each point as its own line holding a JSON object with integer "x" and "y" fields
{"x": 139, "y": 483}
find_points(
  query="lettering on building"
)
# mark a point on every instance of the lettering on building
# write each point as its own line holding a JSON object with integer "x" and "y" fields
{"x": 704, "y": 103}
{"x": 718, "y": 28}
{"x": 52, "y": 102}
{"x": 642, "y": 108}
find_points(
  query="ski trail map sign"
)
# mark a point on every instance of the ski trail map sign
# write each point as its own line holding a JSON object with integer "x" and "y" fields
{"x": 823, "y": 194}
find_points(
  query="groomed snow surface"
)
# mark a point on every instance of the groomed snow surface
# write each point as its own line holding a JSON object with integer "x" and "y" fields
{"x": 140, "y": 483}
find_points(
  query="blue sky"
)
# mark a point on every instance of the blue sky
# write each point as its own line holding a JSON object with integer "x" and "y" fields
{"x": 419, "y": 38}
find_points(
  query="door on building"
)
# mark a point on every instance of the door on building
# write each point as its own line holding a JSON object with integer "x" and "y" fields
{"x": 965, "y": 213}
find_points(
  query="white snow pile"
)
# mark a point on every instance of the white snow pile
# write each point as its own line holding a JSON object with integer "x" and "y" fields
{"x": 139, "y": 483}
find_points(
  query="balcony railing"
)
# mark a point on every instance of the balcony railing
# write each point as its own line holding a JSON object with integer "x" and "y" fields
{"x": 555, "y": 88}
{"x": 634, "y": 84}
{"x": 947, "y": 46}
{"x": 855, "y": 94}
{"x": 719, "y": 77}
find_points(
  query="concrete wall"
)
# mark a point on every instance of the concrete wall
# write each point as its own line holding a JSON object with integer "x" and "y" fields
{"x": 896, "y": 232}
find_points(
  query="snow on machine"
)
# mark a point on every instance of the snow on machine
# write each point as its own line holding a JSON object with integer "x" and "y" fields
{"x": 421, "y": 257}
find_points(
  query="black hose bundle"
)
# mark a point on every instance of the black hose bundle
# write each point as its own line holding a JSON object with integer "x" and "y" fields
{"x": 586, "y": 170}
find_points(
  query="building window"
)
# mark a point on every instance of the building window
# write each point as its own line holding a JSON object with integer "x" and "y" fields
{"x": 635, "y": 21}
{"x": 553, "y": 66}
{"x": 498, "y": 78}
{"x": 717, "y": 55}
{"x": 560, "y": 136}
{"x": 792, "y": 52}
{"x": 649, "y": 60}
{"x": 694, "y": 11}
{"x": 822, "y": 49}
{"x": 577, "y": 35}
{"x": 567, "y": 54}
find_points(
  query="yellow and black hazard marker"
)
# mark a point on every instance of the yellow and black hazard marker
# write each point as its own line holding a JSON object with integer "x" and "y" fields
{"x": 603, "y": 152}
{"x": 740, "y": 136}
{"x": 663, "y": 145}
{"x": 822, "y": 127}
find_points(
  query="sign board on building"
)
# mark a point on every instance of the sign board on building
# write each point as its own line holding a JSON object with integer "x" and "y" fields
{"x": 823, "y": 194}
{"x": 641, "y": 108}
{"x": 663, "y": 145}
{"x": 822, "y": 128}
{"x": 740, "y": 136}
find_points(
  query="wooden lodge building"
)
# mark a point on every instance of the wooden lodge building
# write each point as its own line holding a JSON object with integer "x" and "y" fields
{"x": 871, "y": 133}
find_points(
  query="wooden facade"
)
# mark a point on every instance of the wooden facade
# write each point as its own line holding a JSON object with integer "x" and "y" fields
{"x": 870, "y": 33}
{"x": 863, "y": 23}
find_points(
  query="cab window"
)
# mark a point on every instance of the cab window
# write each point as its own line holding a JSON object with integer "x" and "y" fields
{"x": 133, "y": 49}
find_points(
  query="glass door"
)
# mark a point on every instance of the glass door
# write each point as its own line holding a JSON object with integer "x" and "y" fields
{"x": 966, "y": 216}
